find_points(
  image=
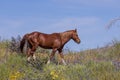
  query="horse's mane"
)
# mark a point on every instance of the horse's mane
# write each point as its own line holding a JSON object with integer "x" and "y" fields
{"x": 66, "y": 33}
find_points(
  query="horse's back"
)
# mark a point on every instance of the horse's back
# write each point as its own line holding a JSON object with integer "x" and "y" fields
{"x": 36, "y": 34}
{"x": 50, "y": 40}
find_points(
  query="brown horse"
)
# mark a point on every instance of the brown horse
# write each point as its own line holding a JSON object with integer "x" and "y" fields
{"x": 54, "y": 41}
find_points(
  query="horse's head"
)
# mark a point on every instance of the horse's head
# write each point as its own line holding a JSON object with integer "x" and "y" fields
{"x": 75, "y": 36}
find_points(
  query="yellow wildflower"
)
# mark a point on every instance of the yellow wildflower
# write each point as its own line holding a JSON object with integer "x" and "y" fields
{"x": 15, "y": 75}
{"x": 54, "y": 75}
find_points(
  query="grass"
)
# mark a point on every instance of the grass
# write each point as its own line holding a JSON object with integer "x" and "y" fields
{"x": 93, "y": 64}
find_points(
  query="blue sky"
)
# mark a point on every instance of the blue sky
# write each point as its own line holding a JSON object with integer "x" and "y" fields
{"x": 18, "y": 17}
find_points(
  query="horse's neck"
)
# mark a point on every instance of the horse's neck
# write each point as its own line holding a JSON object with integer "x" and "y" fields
{"x": 65, "y": 37}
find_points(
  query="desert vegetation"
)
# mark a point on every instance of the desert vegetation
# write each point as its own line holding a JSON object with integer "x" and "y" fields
{"x": 93, "y": 64}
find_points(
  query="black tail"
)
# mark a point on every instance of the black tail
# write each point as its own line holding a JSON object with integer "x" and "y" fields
{"x": 23, "y": 44}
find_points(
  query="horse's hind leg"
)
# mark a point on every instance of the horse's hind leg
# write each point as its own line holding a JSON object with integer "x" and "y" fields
{"x": 34, "y": 57}
{"x": 28, "y": 54}
{"x": 33, "y": 52}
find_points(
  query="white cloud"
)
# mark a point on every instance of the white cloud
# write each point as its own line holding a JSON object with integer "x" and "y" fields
{"x": 10, "y": 23}
{"x": 51, "y": 26}
{"x": 72, "y": 23}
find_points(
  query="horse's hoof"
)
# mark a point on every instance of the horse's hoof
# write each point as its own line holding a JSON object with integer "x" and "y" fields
{"x": 48, "y": 62}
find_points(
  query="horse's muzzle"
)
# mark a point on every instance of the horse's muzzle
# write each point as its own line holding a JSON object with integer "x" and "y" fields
{"x": 78, "y": 41}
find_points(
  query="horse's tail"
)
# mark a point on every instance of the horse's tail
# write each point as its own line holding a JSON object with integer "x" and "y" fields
{"x": 24, "y": 44}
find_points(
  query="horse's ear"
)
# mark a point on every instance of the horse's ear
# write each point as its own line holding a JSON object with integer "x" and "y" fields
{"x": 75, "y": 30}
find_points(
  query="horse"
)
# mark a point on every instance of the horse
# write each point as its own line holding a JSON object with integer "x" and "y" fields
{"x": 54, "y": 41}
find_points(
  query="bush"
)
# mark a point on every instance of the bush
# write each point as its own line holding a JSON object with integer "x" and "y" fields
{"x": 94, "y": 64}
{"x": 15, "y": 44}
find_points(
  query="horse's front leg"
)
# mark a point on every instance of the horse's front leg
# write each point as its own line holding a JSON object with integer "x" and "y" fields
{"x": 51, "y": 56}
{"x": 62, "y": 57}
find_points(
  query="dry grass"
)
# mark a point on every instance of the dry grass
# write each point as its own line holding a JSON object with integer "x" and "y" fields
{"x": 94, "y": 64}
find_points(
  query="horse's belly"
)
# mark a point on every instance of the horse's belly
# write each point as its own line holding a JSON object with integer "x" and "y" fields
{"x": 46, "y": 47}
{"x": 50, "y": 44}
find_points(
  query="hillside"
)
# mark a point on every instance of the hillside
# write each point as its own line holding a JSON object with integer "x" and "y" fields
{"x": 94, "y": 64}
